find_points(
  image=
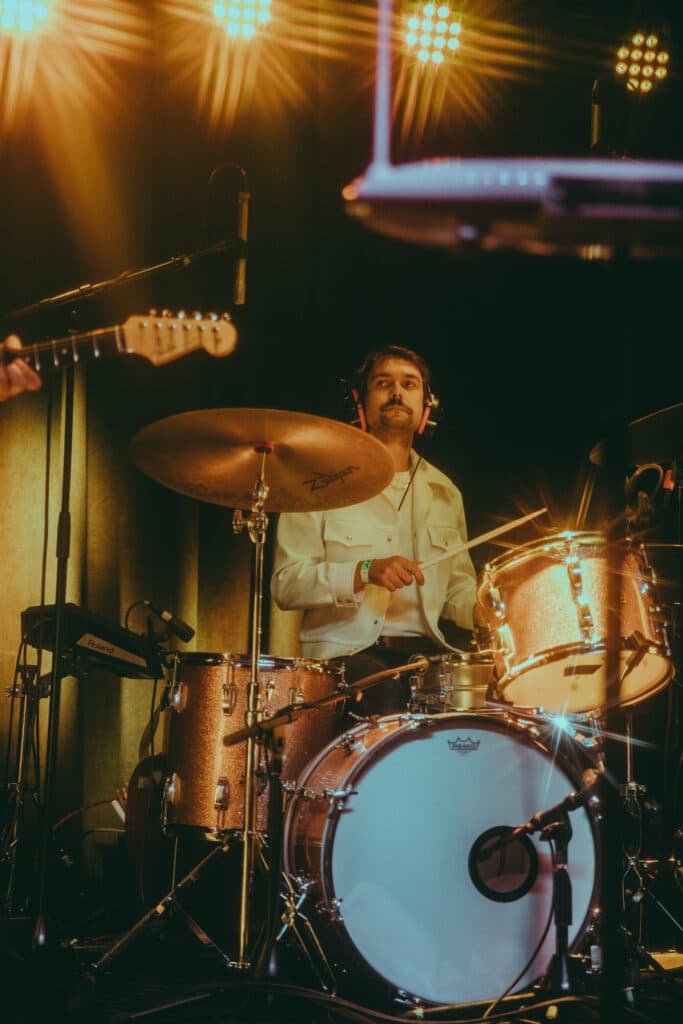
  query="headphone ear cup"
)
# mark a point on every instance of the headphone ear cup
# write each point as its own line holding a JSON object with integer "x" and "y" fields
{"x": 430, "y": 416}
{"x": 361, "y": 421}
{"x": 425, "y": 419}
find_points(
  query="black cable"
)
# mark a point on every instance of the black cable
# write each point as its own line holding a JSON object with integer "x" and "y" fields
{"x": 527, "y": 966}
{"x": 129, "y": 609}
{"x": 151, "y": 719}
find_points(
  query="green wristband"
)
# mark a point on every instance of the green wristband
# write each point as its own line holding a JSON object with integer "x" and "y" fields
{"x": 365, "y": 570}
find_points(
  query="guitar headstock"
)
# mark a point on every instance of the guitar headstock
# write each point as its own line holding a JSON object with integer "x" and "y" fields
{"x": 162, "y": 337}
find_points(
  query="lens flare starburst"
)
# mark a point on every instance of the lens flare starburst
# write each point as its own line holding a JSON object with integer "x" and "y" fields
{"x": 255, "y": 54}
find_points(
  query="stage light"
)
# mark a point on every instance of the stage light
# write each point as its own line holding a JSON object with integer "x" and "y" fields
{"x": 242, "y": 18}
{"x": 641, "y": 61}
{"x": 23, "y": 16}
{"x": 431, "y": 32}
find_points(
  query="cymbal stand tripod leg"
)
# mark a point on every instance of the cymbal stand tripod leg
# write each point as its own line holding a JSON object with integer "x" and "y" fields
{"x": 636, "y": 890}
{"x": 257, "y": 524}
{"x": 294, "y": 895}
{"x": 167, "y": 905}
{"x": 12, "y": 839}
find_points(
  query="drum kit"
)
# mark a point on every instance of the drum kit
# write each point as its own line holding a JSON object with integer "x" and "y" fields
{"x": 382, "y": 839}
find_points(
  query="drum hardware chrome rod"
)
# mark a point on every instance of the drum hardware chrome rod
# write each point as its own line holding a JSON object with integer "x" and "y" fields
{"x": 289, "y": 713}
{"x": 257, "y": 525}
{"x": 294, "y": 897}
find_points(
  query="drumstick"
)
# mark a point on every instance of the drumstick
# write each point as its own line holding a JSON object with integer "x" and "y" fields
{"x": 481, "y": 539}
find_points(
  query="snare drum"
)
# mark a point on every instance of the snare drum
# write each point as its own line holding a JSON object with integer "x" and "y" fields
{"x": 546, "y": 605}
{"x": 204, "y": 789}
{"x": 384, "y": 835}
{"x": 457, "y": 681}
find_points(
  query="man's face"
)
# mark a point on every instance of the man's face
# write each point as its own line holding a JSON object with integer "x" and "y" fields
{"x": 395, "y": 397}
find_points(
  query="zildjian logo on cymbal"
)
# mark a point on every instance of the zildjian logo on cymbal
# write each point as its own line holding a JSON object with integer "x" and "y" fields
{"x": 325, "y": 479}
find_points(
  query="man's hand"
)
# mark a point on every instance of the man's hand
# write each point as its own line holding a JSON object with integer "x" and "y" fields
{"x": 391, "y": 573}
{"x": 16, "y": 376}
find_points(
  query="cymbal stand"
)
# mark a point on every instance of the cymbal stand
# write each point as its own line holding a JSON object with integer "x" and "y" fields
{"x": 257, "y": 525}
{"x": 30, "y": 691}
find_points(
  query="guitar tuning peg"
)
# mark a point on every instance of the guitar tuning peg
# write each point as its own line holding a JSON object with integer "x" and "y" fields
{"x": 212, "y": 316}
{"x": 181, "y": 314}
{"x": 196, "y": 315}
{"x": 166, "y": 312}
{"x": 153, "y": 312}
{"x": 226, "y": 316}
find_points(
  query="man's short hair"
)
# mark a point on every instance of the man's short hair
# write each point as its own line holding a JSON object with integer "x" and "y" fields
{"x": 378, "y": 355}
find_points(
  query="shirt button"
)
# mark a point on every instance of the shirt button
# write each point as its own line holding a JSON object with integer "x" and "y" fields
{"x": 388, "y": 540}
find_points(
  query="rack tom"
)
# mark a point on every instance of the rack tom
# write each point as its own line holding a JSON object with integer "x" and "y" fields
{"x": 546, "y": 605}
{"x": 204, "y": 790}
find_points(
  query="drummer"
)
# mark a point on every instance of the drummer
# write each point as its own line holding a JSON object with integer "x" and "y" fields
{"x": 355, "y": 571}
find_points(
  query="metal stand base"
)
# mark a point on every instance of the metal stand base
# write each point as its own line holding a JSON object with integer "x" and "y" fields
{"x": 166, "y": 907}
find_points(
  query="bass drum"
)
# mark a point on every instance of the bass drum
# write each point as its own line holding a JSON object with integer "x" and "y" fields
{"x": 385, "y": 831}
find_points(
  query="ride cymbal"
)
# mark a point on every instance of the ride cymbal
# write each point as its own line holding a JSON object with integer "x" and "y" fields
{"x": 312, "y": 463}
{"x": 657, "y": 437}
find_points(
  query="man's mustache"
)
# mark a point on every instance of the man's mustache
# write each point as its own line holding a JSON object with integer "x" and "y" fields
{"x": 395, "y": 401}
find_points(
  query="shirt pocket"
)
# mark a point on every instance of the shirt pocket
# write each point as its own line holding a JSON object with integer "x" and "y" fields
{"x": 350, "y": 540}
{"x": 443, "y": 538}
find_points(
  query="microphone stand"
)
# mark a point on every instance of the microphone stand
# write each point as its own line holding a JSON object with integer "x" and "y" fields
{"x": 559, "y": 979}
{"x": 89, "y": 291}
{"x": 43, "y": 935}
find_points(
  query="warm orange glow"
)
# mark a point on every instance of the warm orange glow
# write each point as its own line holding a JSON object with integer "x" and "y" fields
{"x": 483, "y": 53}
{"x": 58, "y": 83}
{"x": 67, "y": 52}
{"x": 211, "y": 48}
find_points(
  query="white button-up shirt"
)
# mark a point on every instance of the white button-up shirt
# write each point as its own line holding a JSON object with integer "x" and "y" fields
{"x": 317, "y": 553}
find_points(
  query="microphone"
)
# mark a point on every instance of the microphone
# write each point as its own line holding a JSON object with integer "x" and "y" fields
{"x": 176, "y": 626}
{"x": 596, "y": 117}
{"x": 543, "y": 818}
{"x": 240, "y": 287}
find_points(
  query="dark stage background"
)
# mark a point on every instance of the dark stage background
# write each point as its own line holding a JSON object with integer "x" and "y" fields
{"x": 531, "y": 357}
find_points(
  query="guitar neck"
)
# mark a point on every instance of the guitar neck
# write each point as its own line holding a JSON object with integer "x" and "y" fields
{"x": 60, "y": 352}
{"x": 158, "y": 338}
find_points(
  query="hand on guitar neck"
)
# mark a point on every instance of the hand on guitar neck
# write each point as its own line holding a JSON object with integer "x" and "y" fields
{"x": 15, "y": 376}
